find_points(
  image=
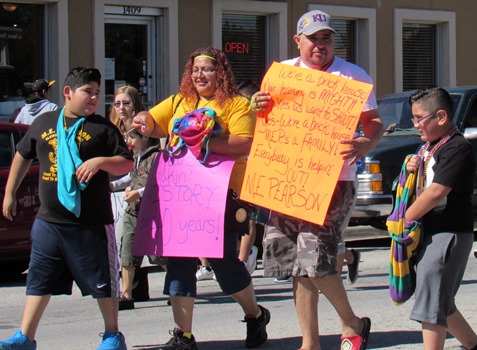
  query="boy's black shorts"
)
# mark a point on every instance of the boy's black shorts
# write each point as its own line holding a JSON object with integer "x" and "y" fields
{"x": 63, "y": 253}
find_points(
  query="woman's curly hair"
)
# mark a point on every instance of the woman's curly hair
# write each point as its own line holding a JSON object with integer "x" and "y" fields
{"x": 225, "y": 85}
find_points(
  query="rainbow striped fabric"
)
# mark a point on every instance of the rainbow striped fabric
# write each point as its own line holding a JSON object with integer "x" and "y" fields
{"x": 406, "y": 236}
{"x": 194, "y": 130}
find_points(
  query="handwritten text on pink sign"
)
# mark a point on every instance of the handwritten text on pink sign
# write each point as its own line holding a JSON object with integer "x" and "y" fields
{"x": 182, "y": 212}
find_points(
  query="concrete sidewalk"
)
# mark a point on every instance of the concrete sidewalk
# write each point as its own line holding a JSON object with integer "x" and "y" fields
{"x": 73, "y": 322}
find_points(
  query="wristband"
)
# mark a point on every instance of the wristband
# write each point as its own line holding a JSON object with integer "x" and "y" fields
{"x": 252, "y": 103}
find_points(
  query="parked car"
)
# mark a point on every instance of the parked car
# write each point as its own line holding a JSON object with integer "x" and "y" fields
{"x": 15, "y": 235}
{"x": 383, "y": 165}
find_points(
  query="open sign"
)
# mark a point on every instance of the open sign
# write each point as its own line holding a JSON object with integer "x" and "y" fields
{"x": 237, "y": 47}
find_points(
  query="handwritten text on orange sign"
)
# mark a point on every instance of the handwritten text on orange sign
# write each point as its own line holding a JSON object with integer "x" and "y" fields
{"x": 295, "y": 158}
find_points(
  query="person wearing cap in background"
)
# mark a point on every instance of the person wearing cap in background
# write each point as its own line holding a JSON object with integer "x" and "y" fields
{"x": 290, "y": 244}
{"x": 37, "y": 103}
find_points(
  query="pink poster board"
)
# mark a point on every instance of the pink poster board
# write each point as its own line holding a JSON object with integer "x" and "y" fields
{"x": 183, "y": 206}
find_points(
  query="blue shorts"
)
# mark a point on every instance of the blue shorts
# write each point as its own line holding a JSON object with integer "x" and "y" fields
{"x": 231, "y": 273}
{"x": 63, "y": 253}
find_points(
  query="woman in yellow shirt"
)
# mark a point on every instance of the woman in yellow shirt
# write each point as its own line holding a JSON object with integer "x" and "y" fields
{"x": 208, "y": 81}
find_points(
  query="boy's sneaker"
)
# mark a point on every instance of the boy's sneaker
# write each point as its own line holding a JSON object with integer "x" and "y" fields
{"x": 18, "y": 341}
{"x": 179, "y": 342}
{"x": 257, "y": 329}
{"x": 204, "y": 273}
{"x": 112, "y": 341}
{"x": 353, "y": 268}
{"x": 251, "y": 263}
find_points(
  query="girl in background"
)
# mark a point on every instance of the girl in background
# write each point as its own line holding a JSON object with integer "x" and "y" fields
{"x": 127, "y": 103}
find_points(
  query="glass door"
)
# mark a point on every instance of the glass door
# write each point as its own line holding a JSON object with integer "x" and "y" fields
{"x": 129, "y": 56}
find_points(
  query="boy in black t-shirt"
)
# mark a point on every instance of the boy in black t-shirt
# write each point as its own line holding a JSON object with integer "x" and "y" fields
{"x": 445, "y": 209}
{"x": 72, "y": 236}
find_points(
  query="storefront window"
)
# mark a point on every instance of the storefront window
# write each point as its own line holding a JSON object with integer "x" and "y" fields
{"x": 418, "y": 55}
{"x": 345, "y": 39}
{"x": 21, "y": 53}
{"x": 243, "y": 41}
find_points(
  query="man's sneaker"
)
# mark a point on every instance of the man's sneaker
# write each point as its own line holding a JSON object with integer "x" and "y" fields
{"x": 257, "y": 329}
{"x": 353, "y": 268}
{"x": 204, "y": 273}
{"x": 284, "y": 279}
{"x": 179, "y": 342}
{"x": 18, "y": 341}
{"x": 251, "y": 263}
{"x": 112, "y": 341}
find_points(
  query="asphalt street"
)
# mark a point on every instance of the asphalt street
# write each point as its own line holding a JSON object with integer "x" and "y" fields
{"x": 73, "y": 322}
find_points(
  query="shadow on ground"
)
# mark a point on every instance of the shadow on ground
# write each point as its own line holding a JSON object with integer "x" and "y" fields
{"x": 378, "y": 340}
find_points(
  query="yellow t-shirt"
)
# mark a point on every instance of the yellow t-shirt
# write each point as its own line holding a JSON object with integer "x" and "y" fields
{"x": 235, "y": 117}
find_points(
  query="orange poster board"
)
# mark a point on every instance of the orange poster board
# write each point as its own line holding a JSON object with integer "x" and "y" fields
{"x": 295, "y": 160}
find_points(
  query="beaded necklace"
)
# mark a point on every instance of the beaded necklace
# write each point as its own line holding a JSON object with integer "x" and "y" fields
{"x": 79, "y": 138}
{"x": 452, "y": 131}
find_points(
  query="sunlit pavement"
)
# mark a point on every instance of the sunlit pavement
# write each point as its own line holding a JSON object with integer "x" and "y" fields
{"x": 73, "y": 322}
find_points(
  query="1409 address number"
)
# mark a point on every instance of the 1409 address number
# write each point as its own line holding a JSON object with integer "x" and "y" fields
{"x": 131, "y": 10}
